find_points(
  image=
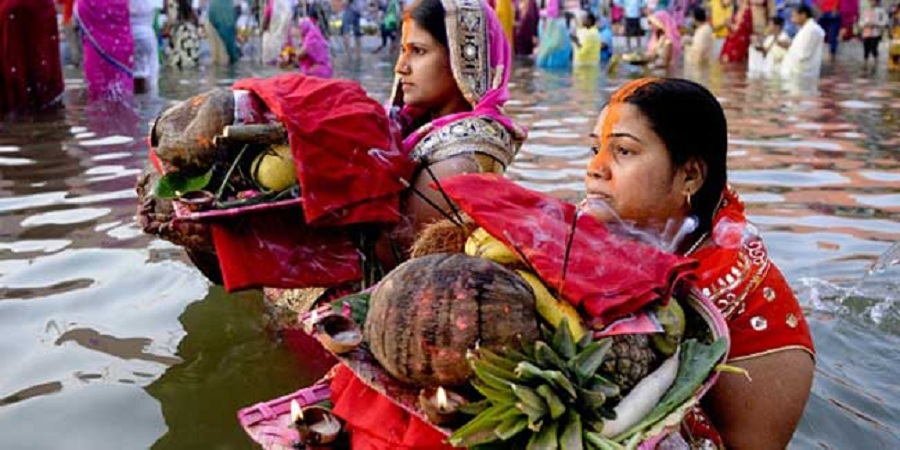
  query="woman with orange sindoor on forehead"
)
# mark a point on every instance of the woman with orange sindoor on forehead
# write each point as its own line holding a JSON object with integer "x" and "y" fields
{"x": 661, "y": 147}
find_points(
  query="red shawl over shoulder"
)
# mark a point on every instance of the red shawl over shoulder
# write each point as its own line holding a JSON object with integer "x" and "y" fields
{"x": 736, "y": 273}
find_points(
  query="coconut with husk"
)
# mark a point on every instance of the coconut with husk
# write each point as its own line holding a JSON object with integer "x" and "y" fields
{"x": 429, "y": 312}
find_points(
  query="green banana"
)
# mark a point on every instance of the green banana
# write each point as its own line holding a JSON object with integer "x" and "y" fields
{"x": 548, "y": 358}
{"x": 673, "y": 321}
{"x": 571, "y": 436}
{"x": 489, "y": 367}
{"x": 601, "y": 442}
{"x": 480, "y": 429}
{"x": 497, "y": 360}
{"x": 563, "y": 341}
{"x": 530, "y": 398}
{"x": 545, "y": 439}
{"x": 586, "y": 362}
{"x": 511, "y": 426}
{"x": 556, "y": 406}
{"x": 495, "y": 395}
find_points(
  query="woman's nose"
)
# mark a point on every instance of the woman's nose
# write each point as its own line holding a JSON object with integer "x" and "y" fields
{"x": 402, "y": 67}
{"x": 599, "y": 167}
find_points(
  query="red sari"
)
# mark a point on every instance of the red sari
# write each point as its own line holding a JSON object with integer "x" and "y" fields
{"x": 737, "y": 44}
{"x": 762, "y": 313}
{"x": 30, "y": 70}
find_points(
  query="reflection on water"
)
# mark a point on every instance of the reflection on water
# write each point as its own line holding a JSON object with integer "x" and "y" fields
{"x": 119, "y": 343}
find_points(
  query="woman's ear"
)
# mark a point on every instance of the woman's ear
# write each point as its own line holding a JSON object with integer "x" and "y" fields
{"x": 694, "y": 175}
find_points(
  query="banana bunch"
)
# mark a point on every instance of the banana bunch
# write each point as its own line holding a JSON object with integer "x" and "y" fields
{"x": 547, "y": 395}
{"x": 480, "y": 244}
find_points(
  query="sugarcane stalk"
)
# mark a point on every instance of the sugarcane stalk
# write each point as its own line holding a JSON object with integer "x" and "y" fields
{"x": 263, "y": 133}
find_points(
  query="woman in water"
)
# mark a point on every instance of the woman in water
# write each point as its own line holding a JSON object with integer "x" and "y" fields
{"x": 660, "y": 158}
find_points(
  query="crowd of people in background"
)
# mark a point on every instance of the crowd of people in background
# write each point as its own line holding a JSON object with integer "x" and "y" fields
{"x": 121, "y": 44}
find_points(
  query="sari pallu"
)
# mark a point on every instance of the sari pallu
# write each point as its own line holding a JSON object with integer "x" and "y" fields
{"x": 108, "y": 48}
{"x": 481, "y": 67}
{"x": 30, "y": 76}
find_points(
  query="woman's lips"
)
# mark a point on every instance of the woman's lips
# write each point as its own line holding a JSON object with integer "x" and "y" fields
{"x": 599, "y": 196}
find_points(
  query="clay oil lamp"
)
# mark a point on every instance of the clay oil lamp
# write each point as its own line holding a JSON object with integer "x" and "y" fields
{"x": 440, "y": 405}
{"x": 198, "y": 200}
{"x": 337, "y": 333}
{"x": 316, "y": 425}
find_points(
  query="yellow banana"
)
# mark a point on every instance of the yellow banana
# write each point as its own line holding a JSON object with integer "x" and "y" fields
{"x": 482, "y": 245}
{"x": 552, "y": 309}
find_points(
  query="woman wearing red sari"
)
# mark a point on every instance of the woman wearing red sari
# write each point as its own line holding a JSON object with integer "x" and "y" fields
{"x": 673, "y": 132}
{"x": 737, "y": 44}
{"x": 30, "y": 73}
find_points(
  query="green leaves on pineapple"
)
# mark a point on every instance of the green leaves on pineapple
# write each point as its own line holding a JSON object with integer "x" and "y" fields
{"x": 175, "y": 184}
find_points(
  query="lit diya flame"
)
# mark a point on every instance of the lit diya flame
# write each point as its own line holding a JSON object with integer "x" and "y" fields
{"x": 440, "y": 405}
{"x": 442, "y": 398}
{"x": 316, "y": 425}
{"x": 296, "y": 412}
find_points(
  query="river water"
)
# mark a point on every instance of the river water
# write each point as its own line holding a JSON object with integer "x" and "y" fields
{"x": 110, "y": 339}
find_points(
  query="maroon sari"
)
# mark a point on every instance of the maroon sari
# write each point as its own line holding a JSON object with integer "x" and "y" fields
{"x": 30, "y": 70}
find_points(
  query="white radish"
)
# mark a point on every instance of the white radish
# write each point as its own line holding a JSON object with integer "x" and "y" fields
{"x": 643, "y": 397}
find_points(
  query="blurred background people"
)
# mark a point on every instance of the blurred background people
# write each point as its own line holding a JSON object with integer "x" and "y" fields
{"x": 30, "y": 74}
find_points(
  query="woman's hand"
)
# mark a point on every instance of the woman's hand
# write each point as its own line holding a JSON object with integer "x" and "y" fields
{"x": 763, "y": 413}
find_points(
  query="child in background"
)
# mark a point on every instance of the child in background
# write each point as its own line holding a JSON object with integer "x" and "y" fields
{"x": 872, "y": 22}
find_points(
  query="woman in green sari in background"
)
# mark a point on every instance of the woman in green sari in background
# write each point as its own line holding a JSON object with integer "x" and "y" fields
{"x": 221, "y": 30}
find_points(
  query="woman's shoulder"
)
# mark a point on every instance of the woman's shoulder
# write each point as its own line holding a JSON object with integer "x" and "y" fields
{"x": 473, "y": 134}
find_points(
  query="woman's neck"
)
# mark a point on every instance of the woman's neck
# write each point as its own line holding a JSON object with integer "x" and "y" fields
{"x": 456, "y": 105}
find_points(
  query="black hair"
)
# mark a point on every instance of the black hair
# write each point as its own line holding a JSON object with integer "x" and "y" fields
{"x": 699, "y": 14}
{"x": 804, "y": 9}
{"x": 778, "y": 20}
{"x": 691, "y": 123}
{"x": 429, "y": 14}
{"x": 590, "y": 20}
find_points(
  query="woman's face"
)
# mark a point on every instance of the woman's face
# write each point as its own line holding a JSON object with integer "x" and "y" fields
{"x": 424, "y": 69}
{"x": 632, "y": 172}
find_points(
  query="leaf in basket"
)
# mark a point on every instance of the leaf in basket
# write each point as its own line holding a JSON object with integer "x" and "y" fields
{"x": 697, "y": 361}
{"x": 174, "y": 185}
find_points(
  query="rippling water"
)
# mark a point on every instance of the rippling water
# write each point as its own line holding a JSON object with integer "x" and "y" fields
{"x": 110, "y": 339}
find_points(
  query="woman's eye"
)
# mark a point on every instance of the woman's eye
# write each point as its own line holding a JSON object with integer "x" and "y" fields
{"x": 623, "y": 151}
{"x": 418, "y": 51}
{"x": 595, "y": 149}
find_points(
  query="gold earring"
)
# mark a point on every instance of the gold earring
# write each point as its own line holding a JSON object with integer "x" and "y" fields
{"x": 689, "y": 201}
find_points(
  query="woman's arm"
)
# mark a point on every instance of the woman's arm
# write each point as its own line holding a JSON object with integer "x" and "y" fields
{"x": 420, "y": 211}
{"x": 763, "y": 413}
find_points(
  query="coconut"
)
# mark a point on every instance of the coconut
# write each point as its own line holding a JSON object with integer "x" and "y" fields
{"x": 429, "y": 312}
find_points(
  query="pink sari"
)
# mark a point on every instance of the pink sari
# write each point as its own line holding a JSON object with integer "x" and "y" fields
{"x": 669, "y": 25}
{"x": 108, "y": 48}
{"x": 317, "y": 60}
{"x": 482, "y": 77}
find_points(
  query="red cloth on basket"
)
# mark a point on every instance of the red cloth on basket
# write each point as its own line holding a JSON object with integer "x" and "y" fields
{"x": 376, "y": 423}
{"x": 348, "y": 155}
{"x": 608, "y": 275}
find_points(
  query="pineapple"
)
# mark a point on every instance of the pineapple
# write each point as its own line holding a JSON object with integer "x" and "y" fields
{"x": 631, "y": 358}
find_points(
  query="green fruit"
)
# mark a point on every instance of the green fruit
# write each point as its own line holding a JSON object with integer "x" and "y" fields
{"x": 274, "y": 170}
{"x": 672, "y": 319}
